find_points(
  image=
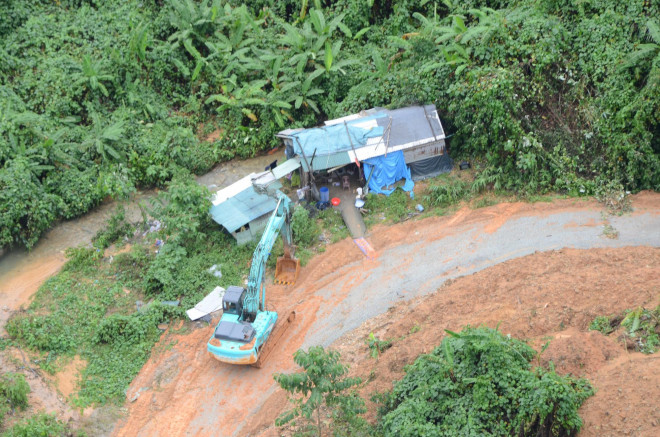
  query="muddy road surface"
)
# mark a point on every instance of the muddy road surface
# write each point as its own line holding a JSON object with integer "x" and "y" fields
{"x": 181, "y": 391}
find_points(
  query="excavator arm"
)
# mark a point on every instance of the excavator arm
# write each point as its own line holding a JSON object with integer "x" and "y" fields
{"x": 255, "y": 299}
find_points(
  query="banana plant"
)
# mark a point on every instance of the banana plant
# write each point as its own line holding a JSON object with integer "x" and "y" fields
{"x": 307, "y": 91}
{"x": 331, "y": 54}
{"x": 140, "y": 40}
{"x": 307, "y": 44}
{"x": 250, "y": 96}
{"x": 240, "y": 97}
{"x": 455, "y": 55}
{"x": 43, "y": 147}
{"x": 454, "y": 32}
{"x": 646, "y": 51}
{"x": 92, "y": 75}
{"x": 193, "y": 22}
{"x": 297, "y": 90}
{"x": 105, "y": 142}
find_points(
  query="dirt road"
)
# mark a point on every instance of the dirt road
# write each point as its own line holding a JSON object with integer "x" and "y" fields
{"x": 181, "y": 391}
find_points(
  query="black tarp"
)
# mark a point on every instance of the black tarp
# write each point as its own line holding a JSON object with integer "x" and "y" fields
{"x": 430, "y": 167}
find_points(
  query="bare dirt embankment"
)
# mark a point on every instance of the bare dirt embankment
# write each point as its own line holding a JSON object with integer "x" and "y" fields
{"x": 181, "y": 391}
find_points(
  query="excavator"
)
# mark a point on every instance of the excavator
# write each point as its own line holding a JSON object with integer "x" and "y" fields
{"x": 247, "y": 331}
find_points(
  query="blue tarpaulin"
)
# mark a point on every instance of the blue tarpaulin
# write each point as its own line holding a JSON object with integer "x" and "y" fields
{"x": 327, "y": 140}
{"x": 386, "y": 171}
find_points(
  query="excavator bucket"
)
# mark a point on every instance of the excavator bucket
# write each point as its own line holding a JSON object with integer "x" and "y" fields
{"x": 286, "y": 270}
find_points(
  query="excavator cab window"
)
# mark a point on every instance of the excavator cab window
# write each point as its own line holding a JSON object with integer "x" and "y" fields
{"x": 232, "y": 301}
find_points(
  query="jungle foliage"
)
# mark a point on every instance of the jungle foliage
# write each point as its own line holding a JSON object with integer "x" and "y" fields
{"x": 480, "y": 382}
{"x": 100, "y": 97}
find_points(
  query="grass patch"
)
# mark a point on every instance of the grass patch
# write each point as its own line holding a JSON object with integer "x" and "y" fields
{"x": 447, "y": 191}
{"x": 394, "y": 208}
{"x": 333, "y": 225}
{"x": 602, "y": 324}
{"x": 484, "y": 202}
{"x": 13, "y": 393}
{"x": 638, "y": 328}
{"x": 41, "y": 424}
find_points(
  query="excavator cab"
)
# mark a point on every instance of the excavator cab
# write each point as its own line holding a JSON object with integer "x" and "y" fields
{"x": 232, "y": 301}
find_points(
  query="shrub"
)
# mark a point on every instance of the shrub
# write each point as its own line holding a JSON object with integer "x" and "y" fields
{"x": 376, "y": 345}
{"x": 394, "y": 207}
{"x": 323, "y": 384}
{"x": 602, "y": 324}
{"x": 642, "y": 326}
{"x": 305, "y": 229}
{"x": 48, "y": 333}
{"x": 14, "y": 390}
{"x": 116, "y": 228}
{"x": 481, "y": 382}
{"x": 81, "y": 258}
{"x": 40, "y": 425}
{"x": 447, "y": 193}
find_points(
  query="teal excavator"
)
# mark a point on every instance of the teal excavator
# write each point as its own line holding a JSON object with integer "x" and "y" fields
{"x": 247, "y": 332}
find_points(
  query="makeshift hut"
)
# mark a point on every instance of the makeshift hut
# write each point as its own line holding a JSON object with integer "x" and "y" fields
{"x": 387, "y": 146}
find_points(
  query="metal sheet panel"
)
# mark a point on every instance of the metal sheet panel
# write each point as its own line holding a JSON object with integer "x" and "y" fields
{"x": 286, "y": 167}
{"x": 242, "y": 208}
{"x": 324, "y": 162}
{"x": 424, "y": 151}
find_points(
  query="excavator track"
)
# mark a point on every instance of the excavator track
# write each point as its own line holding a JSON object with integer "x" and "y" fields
{"x": 280, "y": 328}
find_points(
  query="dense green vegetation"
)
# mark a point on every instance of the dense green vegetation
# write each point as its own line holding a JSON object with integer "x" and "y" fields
{"x": 477, "y": 382}
{"x": 100, "y": 97}
{"x": 481, "y": 382}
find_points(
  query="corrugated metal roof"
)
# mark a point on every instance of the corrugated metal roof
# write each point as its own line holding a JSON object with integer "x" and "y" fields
{"x": 241, "y": 209}
{"x": 286, "y": 167}
{"x": 411, "y": 126}
{"x": 233, "y": 189}
{"x": 238, "y": 204}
